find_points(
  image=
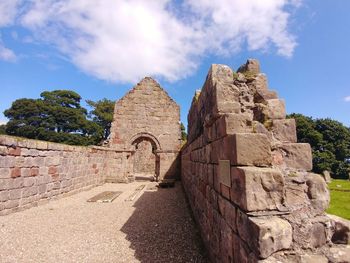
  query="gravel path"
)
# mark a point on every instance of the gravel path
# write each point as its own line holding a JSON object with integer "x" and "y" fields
{"x": 155, "y": 227}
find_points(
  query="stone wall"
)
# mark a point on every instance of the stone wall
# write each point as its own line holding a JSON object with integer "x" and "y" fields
{"x": 247, "y": 180}
{"x": 147, "y": 114}
{"x": 35, "y": 171}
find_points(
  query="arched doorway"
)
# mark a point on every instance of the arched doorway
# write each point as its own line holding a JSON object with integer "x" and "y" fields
{"x": 145, "y": 158}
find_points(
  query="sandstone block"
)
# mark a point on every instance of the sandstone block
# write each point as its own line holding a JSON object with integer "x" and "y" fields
{"x": 228, "y": 212}
{"x": 318, "y": 236}
{"x": 16, "y": 151}
{"x": 28, "y": 181}
{"x": 252, "y": 66}
{"x": 15, "y": 172}
{"x": 29, "y": 191}
{"x": 317, "y": 192}
{"x": 312, "y": 258}
{"x": 339, "y": 254}
{"x": 5, "y": 173}
{"x": 297, "y": 156}
{"x": 256, "y": 189}
{"x": 4, "y": 196}
{"x": 269, "y": 235}
{"x": 276, "y": 109}
{"x": 15, "y": 194}
{"x": 341, "y": 230}
{"x": 284, "y": 130}
{"x": 231, "y": 124}
{"x": 243, "y": 149}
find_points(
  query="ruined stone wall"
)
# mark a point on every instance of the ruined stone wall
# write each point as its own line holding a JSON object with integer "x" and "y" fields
{"x": 35, "y": 171}
{"x": 247, "y": 178}
{"x": 147, "y": 112}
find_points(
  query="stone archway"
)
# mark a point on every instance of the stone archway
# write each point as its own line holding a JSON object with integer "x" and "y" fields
{"x": 145, "y": 161}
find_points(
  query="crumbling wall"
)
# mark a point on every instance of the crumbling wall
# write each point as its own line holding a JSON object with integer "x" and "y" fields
{"x": 35, "y": 171}
{"x": 147, "y": 112}
{"x": 247, "y": 178}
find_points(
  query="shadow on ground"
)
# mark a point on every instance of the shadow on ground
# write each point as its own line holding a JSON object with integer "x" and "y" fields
{"x": 162, "y": 230}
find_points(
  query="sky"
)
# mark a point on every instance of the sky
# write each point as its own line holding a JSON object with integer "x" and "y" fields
{"x": 101, "y": 49}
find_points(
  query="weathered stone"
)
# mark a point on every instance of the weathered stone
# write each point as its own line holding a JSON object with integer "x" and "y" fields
{"x": 252, "y": 66}
{"x": 312, "y": 258}
{"x": 317, "y": 192}
{"x": 339, "y": 254}
{"x": 255, "y": 189}
{"x": 296, "y": 155}
{"x": 284, "y": 130}
{"x": 231, "y": 124}
{"x": 327, "y": 176}
{"x": 15, "y": 172}
{"x": 276, "y": 109}
{"x": 249, "y": 149}
{"x": 269, "y": 235}
{"x": 341, "y": 230}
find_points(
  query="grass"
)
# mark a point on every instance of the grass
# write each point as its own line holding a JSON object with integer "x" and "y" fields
{"x": 340, "y": 198}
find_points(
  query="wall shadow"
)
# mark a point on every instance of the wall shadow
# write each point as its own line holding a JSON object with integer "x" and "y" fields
{"x": 161, "y": 228}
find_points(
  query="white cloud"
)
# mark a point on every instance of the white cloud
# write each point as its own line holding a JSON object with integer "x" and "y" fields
{"x": 124, "y": 40}
{"x": 7, "y": 54}
{"x": 347, "y": 99}
{"x": 8, "y": 11}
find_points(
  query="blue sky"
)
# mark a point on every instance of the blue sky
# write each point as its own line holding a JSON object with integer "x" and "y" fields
{"x": 102, "y": 51}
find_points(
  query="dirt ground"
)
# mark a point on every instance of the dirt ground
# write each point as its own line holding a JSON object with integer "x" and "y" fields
{"x": 155, "y": 227}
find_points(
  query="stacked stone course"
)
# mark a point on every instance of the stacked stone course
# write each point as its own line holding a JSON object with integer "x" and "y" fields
{"x": 247, "y": 178}
{"x": 32, "y": 171}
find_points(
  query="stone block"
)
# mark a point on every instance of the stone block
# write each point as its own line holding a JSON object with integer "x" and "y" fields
{"x": 256, "y": 189}
{"x": 15, "y": 151}
{"x": 228, "y": 212}
{"x": 231, "y": 124}
{"x": 4, "y": 196}
{"x": 30, "y": 191}
{"x": 296, "y": 155}
{"x": 225, "y": 172}
{"x": 284, "y": 130}
{"x": 15, "y": 172}
{"x": 28, "y": 181}
{"x": 341, "y": 227}
{"x": 269, "y": 235}
{"x": 15, "y": 194}
{"x": 243, "y": 149}
{"x": 252, "y": 66}
{"x": 318, "y": 236}
{"x": 339, "y": 254}
{"x": 312, "y": 258}
{"x": 5, "y": 173}
{"x": 317, "y": 192}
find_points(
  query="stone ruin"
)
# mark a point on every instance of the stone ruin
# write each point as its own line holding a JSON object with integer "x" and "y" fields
{"x": 147, "y": 123}
{"x": 247, "y": 179}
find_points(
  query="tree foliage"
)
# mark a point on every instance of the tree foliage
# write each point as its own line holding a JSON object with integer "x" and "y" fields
{"x": 102, "y": 114}
{"x": 183, "y": 133}
{"x": 57, "y": 116}
{"x": 330, "y": 142}
{"x": 3, "y": 129}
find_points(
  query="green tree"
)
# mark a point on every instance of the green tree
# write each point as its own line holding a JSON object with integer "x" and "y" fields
{"x": 102, "y": 114}
{"x": 57, "y": 116}
{"x": 330, "y": 142}
{"x": 183, "y": 133}
{"x": 3, "y": 129}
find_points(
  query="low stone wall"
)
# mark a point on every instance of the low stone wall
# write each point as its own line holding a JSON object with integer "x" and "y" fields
{"x": 35, "y": 171}
{"x": 247, "y": 179}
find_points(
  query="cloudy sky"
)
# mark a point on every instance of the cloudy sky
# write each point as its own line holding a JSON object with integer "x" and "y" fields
{"x": 101, "y": 48}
